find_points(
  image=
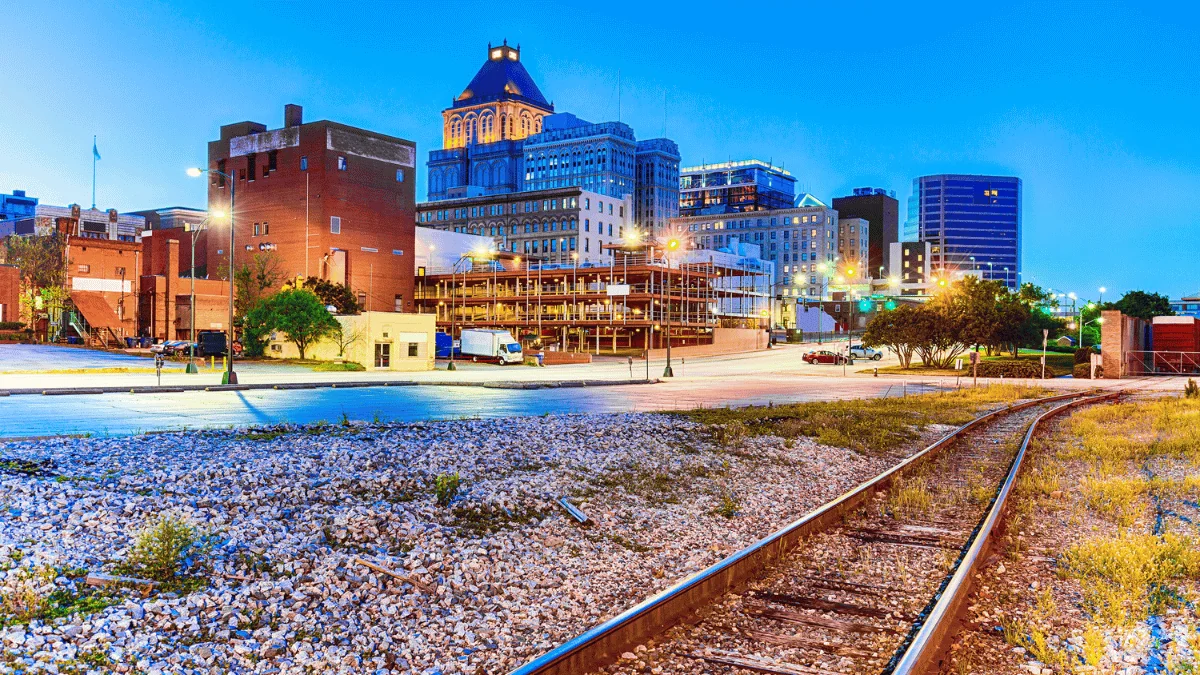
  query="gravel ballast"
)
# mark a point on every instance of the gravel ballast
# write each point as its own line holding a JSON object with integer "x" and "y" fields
{"x": 499, "y": 575}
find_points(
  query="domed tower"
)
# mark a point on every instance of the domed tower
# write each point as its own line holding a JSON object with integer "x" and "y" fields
{"x": 484, "y": 129}
{"x": 501, "y": 103}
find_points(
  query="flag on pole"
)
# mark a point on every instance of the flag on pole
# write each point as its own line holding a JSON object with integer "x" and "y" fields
{"x": 95, "y": 151}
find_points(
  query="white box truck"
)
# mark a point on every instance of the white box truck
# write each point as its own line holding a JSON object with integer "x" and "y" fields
{"x": 480, "y": 343}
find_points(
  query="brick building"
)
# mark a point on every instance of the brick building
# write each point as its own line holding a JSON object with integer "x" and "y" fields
{"x": 164, "y": 310}
{"x": 10, "y": 291}
{"x": 331, "y": 201}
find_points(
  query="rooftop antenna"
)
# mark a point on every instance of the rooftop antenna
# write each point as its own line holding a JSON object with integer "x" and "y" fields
{"x": 618, "y": 94}
{"x": 664, "y": 126}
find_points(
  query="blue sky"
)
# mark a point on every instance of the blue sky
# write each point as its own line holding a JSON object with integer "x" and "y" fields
{"x": 1095, "y": 105}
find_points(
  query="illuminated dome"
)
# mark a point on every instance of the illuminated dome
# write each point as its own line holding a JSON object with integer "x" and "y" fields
{"x": 502, "y": 78}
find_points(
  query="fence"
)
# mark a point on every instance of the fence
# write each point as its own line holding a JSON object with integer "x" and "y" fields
{"x": 1162, "y": 363}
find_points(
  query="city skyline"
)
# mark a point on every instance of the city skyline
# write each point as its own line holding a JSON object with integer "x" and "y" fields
{"x": 1069, "y": 119}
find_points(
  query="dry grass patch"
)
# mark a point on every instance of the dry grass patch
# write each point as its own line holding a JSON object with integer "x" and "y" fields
{"x": 871, "y": 426}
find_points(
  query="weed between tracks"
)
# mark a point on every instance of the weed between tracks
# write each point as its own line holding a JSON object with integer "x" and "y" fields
{"x": 1111, "y": 500}
{"x": 872, "y": 426}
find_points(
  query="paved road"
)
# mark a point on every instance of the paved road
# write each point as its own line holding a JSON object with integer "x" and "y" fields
{"x": 119, "y": 414}
{"x": 776, "y": 376}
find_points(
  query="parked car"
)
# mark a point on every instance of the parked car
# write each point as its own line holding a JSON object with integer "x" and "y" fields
{"x": 170, "y": 347}
{"x": 824, "y": 356}
{"x": 861, "y": 352}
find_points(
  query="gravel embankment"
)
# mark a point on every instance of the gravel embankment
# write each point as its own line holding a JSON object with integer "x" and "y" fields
{"x": 509, "y": 574}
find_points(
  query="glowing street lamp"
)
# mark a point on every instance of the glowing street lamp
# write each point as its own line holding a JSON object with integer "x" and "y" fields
{"x": 229, "y": 377}
{"x": 672, "y": 245}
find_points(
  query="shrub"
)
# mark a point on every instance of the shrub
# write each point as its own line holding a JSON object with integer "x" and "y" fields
{"x": 1084, "y": 355}
{"x": 1016, "y": 368}
{"x": 728, "y": 505}
{"x": 11, "y": 325}
{"x": 445, "y": 487}
{"x": 1191, "y": 389}
{"x": 159, "y": 549}
{"x": 1083, "y": 371}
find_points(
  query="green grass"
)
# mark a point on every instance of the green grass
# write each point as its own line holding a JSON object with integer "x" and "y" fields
{"x": 332, "y": 367}
{"x": 871, "y": 426}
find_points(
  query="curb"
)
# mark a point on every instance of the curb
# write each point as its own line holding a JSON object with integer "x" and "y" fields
{"x": 176, "y": 389}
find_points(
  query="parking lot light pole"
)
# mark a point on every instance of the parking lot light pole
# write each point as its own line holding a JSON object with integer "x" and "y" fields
{"x": 193, "y": 231}
{"x": 672, "y": 244}
{"x": 229, "y": 377}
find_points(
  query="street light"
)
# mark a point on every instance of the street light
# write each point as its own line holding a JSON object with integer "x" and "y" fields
{"x": 229, "y": 377}
{"x": 1102, "y": 289}
{"x": 672, "y": 245}
{"x": 194, "y": 232}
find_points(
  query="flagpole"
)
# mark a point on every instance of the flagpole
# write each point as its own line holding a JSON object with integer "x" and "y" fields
{"x": 93, "y": 172}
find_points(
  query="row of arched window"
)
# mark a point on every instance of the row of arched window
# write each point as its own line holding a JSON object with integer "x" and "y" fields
{"x": 483, "y": 127}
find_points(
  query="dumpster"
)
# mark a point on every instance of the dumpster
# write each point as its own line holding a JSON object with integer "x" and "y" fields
{"x": 145, "y": 343}
{"x": 72, "y": 340}
{"x": 129, "y": 342}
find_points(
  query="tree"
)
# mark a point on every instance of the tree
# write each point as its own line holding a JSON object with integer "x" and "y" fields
{"x": 1143, "y": 305}
{"x": 344, "y": 338}
{"x": 41, "y": 263}
{"x": 338, "y": 295}
{"x": 299, "y": 314}
{"x": 253, "y": 279}
{"x": 895, "y": 329}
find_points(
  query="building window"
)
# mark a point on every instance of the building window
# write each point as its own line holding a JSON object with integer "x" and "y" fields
{"x": 399, "y": 302}
{"x": 304, "y": 163}
{"x": 335, "y": 224}
{"x": 412, "y": 350}
{"x": 341, "y": 163}
{"x": 383, "y": 355}
{"x": 251, "y": 164}
{"x": 85, "y": 269}
{"x": 272, "y": 161}
{"x": 266, "y": 229}
{"x": 256, "y": 229}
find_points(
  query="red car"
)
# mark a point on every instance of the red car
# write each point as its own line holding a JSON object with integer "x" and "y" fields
{"x": 824, "y": 356}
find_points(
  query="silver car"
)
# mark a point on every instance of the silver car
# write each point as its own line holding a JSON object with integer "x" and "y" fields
{"x": 861, "y": 352}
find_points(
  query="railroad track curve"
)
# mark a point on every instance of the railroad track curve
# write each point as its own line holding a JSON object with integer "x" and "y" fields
{"x": 875, "y": 589}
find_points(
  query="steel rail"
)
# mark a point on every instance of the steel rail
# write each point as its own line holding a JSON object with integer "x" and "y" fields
{"x": 604, "y": 643}
{"x": 930, "y": 642}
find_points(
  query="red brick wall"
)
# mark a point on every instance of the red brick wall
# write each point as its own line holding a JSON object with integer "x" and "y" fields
{"x": 104, "y": 259}
{"x": 377, "y": 212}
{"x": 10, "y": 289}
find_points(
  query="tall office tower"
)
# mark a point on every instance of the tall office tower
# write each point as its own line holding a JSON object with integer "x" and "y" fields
{"x": 972, "y": 224}
{"x": 656, "y": 183}
{"x": 881, "y": 210}
{"x": 734, "y": 187}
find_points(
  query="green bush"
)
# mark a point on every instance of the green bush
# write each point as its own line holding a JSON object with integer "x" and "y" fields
{"x": 159, "y": 549}
{"x": 14, "y": 337}
{"x": 445, "y": 487}
{"x": 1018, "y": 368}
{"x": 1084, "y": 355}
{"x": 1083, "y": 371}
{"x": 11, "y": 325}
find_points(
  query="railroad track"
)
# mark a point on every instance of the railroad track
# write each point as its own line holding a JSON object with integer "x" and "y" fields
{"x": 875, "y": 588}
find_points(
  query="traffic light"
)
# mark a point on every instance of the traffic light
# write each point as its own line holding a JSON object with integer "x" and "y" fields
{"x": 889, "y": 305}
{"x": 864, "y": 305}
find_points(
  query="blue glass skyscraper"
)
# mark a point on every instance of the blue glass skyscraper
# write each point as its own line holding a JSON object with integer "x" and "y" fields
{"x": 972, "y": 223}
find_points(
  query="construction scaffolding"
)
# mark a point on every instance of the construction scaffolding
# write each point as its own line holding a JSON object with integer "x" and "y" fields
{"x": 627, "y": 304}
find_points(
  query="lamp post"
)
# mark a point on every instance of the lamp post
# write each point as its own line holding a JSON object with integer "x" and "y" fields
{"x": 229, "y": 377}
{"x": 194, "y": 231}
{"x": 1102, "y": 289}
{"x": 672, "y": 244}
